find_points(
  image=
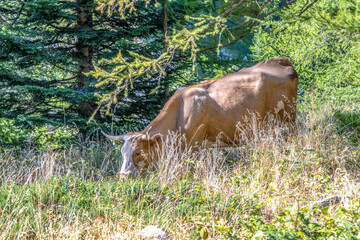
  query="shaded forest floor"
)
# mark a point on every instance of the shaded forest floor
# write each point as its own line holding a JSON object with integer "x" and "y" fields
{"x": 264, "y": 189}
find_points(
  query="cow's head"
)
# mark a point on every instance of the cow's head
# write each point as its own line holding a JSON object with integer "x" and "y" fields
{"x": 138, "y": 151}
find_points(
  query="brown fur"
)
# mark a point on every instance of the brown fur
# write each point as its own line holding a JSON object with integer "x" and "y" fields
{"x": 222, "y": 103}
{"x": 208, "y": 110}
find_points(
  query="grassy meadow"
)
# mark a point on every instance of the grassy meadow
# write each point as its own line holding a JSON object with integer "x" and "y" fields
{"x": 264, "y": 189}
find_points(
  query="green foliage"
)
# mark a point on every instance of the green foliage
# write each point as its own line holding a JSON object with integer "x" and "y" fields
{"x": 123, "y": 6}
{"x": 197, "y": 35}
{"x": 81, "y": 200}
{"x": 40, "y": 137}
{"x": 57, "y": 138}
{"x": 321, "y": 38}
{"x": 303, "y": 224}
{"x": 46, "y": 51}
{"x": 349, "y": 122}
{"x": 39, "y": 61}
{"x": 9, "y": 133}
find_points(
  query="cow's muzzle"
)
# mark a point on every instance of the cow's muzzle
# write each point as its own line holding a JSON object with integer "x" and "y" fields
{"x": 127, "y": 175}
{"x": 124, "y": 176}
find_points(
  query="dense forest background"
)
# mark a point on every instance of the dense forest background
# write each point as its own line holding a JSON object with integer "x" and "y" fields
{"x": 68, "y": 67}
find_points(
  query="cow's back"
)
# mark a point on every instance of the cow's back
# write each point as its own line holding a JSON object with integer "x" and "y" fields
{"x": 203, "y": 111}
{"x": 269, "y": 87}
{"x": 263, "y": 88}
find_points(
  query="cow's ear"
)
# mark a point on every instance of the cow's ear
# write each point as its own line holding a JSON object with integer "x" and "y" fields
{"x": 156, "y": 139}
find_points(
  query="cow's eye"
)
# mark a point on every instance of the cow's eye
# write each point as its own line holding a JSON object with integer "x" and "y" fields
{"x": 137, "y": 153}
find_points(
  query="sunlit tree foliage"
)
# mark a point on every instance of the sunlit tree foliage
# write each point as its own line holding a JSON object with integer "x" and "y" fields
{"x": 322, "y": 39}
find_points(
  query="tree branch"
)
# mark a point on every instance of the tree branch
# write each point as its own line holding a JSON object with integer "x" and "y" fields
{"x": 225, "y": 45}
{"x": 64, "y": 80}
{"x": 262, "y": 8}
{"x": 251, "y": 21}
{"x": 307, "y": 7}
{"x": 286, "y": 4}
{"x": 254, "y": 23}
{"x": 224, "y": 14}
{"x": 19, "y": 13}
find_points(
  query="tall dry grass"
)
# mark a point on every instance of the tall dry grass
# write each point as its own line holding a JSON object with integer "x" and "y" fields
{"x": 274, "y": 166}
{"x": 92, "y": 161}
{"x": 284, "y": 164}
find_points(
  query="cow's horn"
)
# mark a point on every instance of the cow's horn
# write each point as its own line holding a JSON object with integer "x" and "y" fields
{"x": 115, "y": 138}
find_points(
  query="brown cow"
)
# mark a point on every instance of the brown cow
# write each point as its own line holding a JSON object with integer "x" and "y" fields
{"x": 212, "y": 110}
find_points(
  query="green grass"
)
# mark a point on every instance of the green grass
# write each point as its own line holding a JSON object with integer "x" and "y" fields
{"x": 259, "y": 190}
{"x": 90, "y": 209}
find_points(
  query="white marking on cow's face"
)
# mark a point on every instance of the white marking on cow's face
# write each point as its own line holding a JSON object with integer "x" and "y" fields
{"x": 279, "y": 106}
{"x": 128, "y": 167}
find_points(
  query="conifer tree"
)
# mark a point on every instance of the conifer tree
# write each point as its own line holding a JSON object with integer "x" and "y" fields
{"x": 62, "y": 61}
{"x": 208, "y": 39}
{"x": 47, "y": 47}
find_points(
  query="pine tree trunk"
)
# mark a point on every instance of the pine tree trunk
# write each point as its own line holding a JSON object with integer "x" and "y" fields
{"x": 84, "y": 21}
{"x": 167, "y": 93}
{"x": 85, "y": 55}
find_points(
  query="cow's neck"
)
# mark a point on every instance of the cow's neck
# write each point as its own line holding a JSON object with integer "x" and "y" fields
{"x": 166, "y": 121}
{"x": 160, "y": 125}
{"x": 153, "y": 129}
